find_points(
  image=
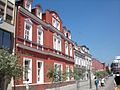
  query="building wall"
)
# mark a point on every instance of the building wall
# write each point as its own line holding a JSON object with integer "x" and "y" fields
{"x": 34, "y": 51}
{"x": 97, "y": 65}
{"x": 7, "y": 27}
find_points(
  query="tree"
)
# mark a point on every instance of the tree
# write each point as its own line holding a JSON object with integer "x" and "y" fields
{"x": 55, "y": 74}
{"x": 79, "y": 72}
{"x": 101, "y": 74}
{"x": 9, "y": 67}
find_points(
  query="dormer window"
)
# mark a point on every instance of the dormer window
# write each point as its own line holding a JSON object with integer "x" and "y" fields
{"x": 39, "y": 14}
{"x": 69, "y": 36}
{"x": 56, "y": 23}
{"x": 28, "y": 5}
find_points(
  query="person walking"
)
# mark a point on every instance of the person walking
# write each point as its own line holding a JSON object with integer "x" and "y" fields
{"x": 103, "y": 82}
{"x": 96, "y": 83}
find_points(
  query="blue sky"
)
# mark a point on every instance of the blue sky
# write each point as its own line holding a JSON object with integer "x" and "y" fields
{"x": 94, "y": 23}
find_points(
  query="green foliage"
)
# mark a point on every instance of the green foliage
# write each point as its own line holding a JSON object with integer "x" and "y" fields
{"x": 108, "y": 71}
{"x": 101, "y": 74}
{"x": 9, "y": 65}
{"x": 79, "y": 72}
{"x": 55, "y": 75}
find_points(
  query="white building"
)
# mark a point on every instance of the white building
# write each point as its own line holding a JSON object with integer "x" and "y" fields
{"x": 83, "y": 59}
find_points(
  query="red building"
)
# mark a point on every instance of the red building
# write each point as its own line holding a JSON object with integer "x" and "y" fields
{"x": 97, "y": 65}
{"x": 42, "y": 42}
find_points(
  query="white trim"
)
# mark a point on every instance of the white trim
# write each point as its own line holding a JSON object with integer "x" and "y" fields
{"x": 71, "y": 50}
{"x": 41, "y": 72}
{"x": 29, "y": 23}
{"x": 39, "y": 13}
{"x": 67, "y": 70}
{"x": 30, "y": 71}
{"x": 56, "y": 23}
{"x": 56, "y": 45}
{"x": 40, "y": 29}
{"x": 59, "y": 64}
{"x": 29, "y": 9}
{"x": 66, "y": 49}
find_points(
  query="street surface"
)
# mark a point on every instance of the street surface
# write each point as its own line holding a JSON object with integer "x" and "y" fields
{"x": 85, "y": 85}
{"x": 108, "y": 86}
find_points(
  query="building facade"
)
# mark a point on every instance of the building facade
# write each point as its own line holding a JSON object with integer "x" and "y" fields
{"x": 7, "y": 27}
{"x": 83, "y": 59}
{"x": 42, "y": 43}
{"x": 97, "y": 65}
{"x": 7, "y": 24}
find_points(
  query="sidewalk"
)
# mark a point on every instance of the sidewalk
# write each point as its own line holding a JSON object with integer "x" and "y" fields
{"x": 85, "y": 85}
{"x": 82, "y": 85}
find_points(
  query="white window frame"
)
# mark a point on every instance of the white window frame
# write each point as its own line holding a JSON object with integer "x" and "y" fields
{"x": 60, "y": 65}
{"x": 59, "y": 44}
{"x": 41, "y": 74}
{"x": 67, "y": 70}
{"x": 29, "y": 71}
{"x": 71, "y": 67}
{"x": 56, "y": 23}
{"x": 39, "y": 14}
{"x": 56, "y": 44}
{"x": 29, "y": 23}
{"x": 71, "y": 50}
{"x": 40, "y": 29}
{"x": 70, "y": 36}
{"x": 53, "y": 21}
{"x": 29, "y": 3}
{"x": 66, "y": 48}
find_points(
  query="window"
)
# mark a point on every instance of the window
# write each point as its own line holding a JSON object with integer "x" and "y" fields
{"x": 58, "y": 70}
{"x": 39, "y": 13}
{"x": 66, "y": 47}
{"x": 70, "y": 50}
{"x": 40, "y": 35}
{"x": 28, "y": 30}
{"x": 28, "y": 5}
{"x": 56, "y": 23}
{"x": 57, "y": 42}
{"x": 6, "y": 40}
{"x": 40, "y": 71}
{"x": 28, "y": 70}
{"x": 8, "y": 18}
{"x": 67, "y": 72}
{"x": 2, "y": 7}
{"x": 71, "y": 71}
